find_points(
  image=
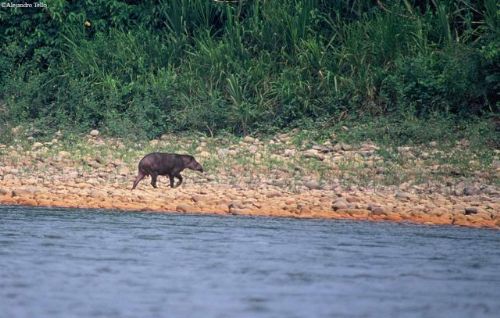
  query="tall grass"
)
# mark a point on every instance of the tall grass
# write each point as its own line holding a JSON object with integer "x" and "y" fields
{"x": 143, "y": 68}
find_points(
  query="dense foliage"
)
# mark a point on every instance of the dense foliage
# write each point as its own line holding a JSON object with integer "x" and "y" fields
{"x": 146, "y": 67}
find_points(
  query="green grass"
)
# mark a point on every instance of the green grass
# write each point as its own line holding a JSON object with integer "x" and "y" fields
{"x": 134, "y": 70}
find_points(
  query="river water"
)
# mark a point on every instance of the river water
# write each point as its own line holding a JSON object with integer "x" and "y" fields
{"x": 91, "y": 263}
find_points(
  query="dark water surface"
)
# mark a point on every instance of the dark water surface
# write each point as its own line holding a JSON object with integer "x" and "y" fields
{"x": 90, "y": 263}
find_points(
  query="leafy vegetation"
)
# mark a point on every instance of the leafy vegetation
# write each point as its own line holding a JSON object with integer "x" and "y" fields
{"x": 142, "y": 68}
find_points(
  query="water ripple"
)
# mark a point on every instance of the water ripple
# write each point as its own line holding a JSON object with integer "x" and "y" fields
{"x": 90, "y": 263}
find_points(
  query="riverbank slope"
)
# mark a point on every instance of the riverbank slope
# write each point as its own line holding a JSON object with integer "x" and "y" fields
{"x": 284, "y": 175}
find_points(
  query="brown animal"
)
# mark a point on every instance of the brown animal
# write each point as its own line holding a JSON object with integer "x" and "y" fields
{"x": 165, "y": 164}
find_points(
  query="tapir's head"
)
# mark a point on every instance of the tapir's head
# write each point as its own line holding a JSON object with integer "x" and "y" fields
{"x": 192, "y": 164}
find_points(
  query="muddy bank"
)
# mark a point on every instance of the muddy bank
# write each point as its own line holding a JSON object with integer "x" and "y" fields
{"x": 275, "y": 177}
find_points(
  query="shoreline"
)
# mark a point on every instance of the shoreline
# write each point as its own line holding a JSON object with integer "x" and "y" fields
{"x": 228, "y": 200}
{"x": 285, "y": 175}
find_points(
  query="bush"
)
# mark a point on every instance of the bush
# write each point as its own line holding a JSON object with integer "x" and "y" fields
{"x": 145, "y": 67}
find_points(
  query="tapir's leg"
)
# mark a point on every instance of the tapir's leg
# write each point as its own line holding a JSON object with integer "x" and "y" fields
{"x": 171, "y": 177}
{"x": 139, "y": 177}
{"x": 154, "y": 175}
{"x": 178, "y": 176}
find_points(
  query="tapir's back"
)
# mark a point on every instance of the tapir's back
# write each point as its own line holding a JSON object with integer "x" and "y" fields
{"x": 161, "y": 163}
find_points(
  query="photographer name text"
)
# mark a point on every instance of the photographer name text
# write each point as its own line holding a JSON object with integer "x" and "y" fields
{"x": 23, "y": 5}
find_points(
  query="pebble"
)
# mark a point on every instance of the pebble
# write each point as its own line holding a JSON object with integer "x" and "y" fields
{"x": 249, "y": 139}
{"x": 378, "y": 210}
{"x": 471, "y": 210}
{"x": 124, "y": 171}
{"x": 339, "y": 204}
{"x": 311, "y": 153}
{"x": 64, "y": 154}
{"x": 289, "y": 152}
{"x": 471, "y": 190}
{"x": 402, "y": 196}
{"x": 184, "y": 208}
{"x": 37, "y": 145}
{"x": 312, "y": 185}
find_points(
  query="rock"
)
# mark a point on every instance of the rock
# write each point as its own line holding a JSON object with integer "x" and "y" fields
{"x": 377, "y": 210}
{"x": 322, "y": 149}
{"x": 238, "y": 208}
{"x": 273, "y": 194}
{"x": 63, "y": 154}
{"x": 404, "y": 149}
{"x": 289, "y": 152}
{"x": 358, "y": 213}
{"x": 284, "y": 137}
{"x": 279, "y": 182}
{"x": 198, "y": 198}
{"x": 312, "y": 185}
{"x": 276, "y": 157}
{"x": 92, "y": 163}
{"x": 95, "y": 194}
{"x": 124, "y": 171}
{"x": 311, "y": 153}
{"x": 342, "y": 146}
{"x": 25, "y": 192}
{"x": 491, "y": 190}
{"x": 183, "y": 208}
{"x": 9, "y": 177}
{"x": 253, "y": 149}
{"x": 249, "y": 139}
{"x": 94, "y": 132}
{"x": 352, "y": 199}
{"x": 37, "y": 145}
{"x": 402, "y": 196}
{"x": 4, "y": 192}
{"x": 459, "y": 189}
{"x": 369, "y": 146}
{"x": 346, "y": 147}
{"x": 223, "y": 152}
{"x": 16, "y": 130}
{"x": 339, "y": 204}
{"x": 471, "y": 210}
{"x": 236, "y": 211}
{"x": 495, "y": 164}
{"x": 380, "y": 170}
{"x": 204, "y": 154}
{"x": 471, "y": 190}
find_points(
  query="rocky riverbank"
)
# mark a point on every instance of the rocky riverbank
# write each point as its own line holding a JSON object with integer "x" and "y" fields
{"x": 285, "y": 176}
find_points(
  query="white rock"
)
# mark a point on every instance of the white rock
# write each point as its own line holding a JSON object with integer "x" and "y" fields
{"x": 249, "y": 139}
